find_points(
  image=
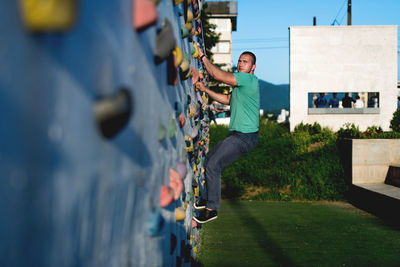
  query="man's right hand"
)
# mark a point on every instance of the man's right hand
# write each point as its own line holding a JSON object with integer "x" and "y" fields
{"x": 200, "y": 86}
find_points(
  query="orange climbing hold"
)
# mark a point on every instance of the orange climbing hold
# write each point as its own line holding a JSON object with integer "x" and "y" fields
{"x": 195, "y": 77}
{"x": 175, "y": 183}
{"x": 181, "y": 120}
{"x": 167, "y": 196}
{"x": 144, "y": 14}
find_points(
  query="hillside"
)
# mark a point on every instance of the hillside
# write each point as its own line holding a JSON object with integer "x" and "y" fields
{"x": 273, "y": 97}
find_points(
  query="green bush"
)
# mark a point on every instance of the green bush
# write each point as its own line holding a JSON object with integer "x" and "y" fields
{"x": 303, "y": 164}
{"x": 299, "y": 165}
{"x": 395, "y": 122}
{"x": 349, "y": 130}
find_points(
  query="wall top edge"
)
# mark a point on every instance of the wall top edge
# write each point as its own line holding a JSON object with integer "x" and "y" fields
{"x": 344, "y": 26}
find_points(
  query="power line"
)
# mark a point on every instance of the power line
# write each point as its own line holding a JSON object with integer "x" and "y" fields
{"x": 335, "y": 19}
{"x": 261, "y": 40}
{"x": 344, "y": 14}
{"x": 261, "y": 48}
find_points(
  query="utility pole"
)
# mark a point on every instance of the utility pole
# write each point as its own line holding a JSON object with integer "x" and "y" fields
{"x": 348, "y": 12}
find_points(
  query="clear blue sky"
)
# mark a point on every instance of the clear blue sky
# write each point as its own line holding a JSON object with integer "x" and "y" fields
{"x": 262, "y": 27}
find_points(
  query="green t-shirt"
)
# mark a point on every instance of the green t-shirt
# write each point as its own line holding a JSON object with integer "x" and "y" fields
{"x": 245, "y": 104}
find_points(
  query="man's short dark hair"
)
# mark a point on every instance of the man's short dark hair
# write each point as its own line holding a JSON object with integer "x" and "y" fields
{"x": 250, "y": 54}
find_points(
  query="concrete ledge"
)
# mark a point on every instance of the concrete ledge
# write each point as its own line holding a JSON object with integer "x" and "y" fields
{"x": 370, "y": 199}
{"x": 384, "y": 189}
{"x": 367, "y": 161}
{"x": 367, "y": 164}
{"x": 320, "y": 111}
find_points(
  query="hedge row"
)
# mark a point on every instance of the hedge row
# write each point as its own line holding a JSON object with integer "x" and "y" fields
{"x": 302, "y": 165}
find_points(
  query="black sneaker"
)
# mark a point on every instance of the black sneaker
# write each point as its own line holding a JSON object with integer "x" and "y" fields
{"x": 206, "y": 216}
{"x": 200, "y": 205}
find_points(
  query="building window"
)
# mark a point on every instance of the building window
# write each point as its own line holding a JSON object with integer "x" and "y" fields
{"x": 223, "y": 25}
{"x": 342, "y": 103}
{"x": 223, "y": 47}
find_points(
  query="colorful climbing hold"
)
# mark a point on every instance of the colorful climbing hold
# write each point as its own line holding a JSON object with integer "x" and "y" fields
{"x": 165, "y": 42}
{"x": 184, "y": 66}
{"x": 195, "y": 78}
{"x": 112, "y": 113}
{"x": 180, "y": 214}
{"x": 175, "y": 183}
{"x": 189, "y": 143}
{"x": 144, "y": 14}
{"x": 181, "y": 169}
{"x": 167, "y": 196}
{"x": 184, "y": 32}
{"x": 178, "y": 56}
{"x": 192, "y": 111}
{"x": 155, "y": 222}
{"x": 181, "y": 120}
{"x": 172, "y": 128}
{"x": 177, "y": 2}
{"x": 48, "y": 15}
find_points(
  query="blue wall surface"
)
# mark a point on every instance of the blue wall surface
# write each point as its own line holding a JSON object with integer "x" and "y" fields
{"x": 69, "y": 195}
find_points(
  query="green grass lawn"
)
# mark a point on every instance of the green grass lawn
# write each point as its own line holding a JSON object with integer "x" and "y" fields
{"x": 252, "y": 233}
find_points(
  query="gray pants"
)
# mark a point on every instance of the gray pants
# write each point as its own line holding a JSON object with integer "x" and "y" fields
{"x": 220, "y": 156}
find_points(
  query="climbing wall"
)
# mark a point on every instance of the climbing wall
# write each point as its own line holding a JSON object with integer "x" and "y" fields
{"x": 103, "y": 135}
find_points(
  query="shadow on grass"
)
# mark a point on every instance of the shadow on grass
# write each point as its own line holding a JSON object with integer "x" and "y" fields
{"x": 261, "y": 236}
{"x": 271, "y": 248}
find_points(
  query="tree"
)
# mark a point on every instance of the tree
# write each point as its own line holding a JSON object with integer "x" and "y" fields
{"x": 211, "y": 38}
{"x": 395, "y": 122}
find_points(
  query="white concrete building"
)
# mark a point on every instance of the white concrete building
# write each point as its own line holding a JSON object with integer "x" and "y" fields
{"x": 361, "y": 60}
{"x": 224, "y": 15}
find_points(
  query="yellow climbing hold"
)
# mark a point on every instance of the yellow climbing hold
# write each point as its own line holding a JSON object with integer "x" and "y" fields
{"x": 189, "y": 143}
{"x": 189, "y": 20}
{"x": 179, "y": 214}
{"x": 196, "y": 50}
{"x": 48, "y": 15}
{"x": 191, "y": 111}
{"x": 196, "y": 191}
{"x": 178, "y": 55}
{"x": 177, "y": 2}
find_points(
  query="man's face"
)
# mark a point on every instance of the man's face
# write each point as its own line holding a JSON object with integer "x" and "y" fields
{"x": 245, "y": 64}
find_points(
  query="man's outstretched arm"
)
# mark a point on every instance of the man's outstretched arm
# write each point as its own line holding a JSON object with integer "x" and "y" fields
{"x": 217, "y": 73}
{"x": 221, "y": 98}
